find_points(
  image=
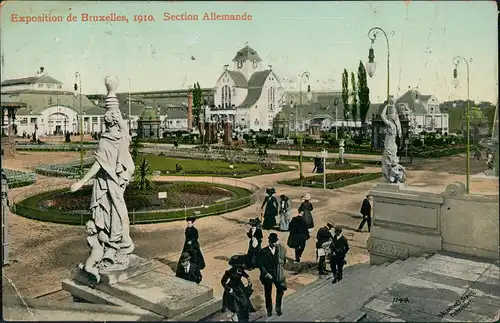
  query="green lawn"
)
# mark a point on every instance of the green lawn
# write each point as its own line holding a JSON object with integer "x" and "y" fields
{"x": 192, "y": 167}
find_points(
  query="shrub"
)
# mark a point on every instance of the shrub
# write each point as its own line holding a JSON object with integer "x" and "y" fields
{"x": 333, "y": 180}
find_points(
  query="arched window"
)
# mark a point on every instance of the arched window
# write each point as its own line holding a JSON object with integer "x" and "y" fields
{"x": 226, "y": 96}
{"x": 270, "y": 98}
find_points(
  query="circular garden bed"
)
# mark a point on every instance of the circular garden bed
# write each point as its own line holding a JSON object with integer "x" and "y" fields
{"x": 145, "y": 206}
{"x": 333, "y": 180}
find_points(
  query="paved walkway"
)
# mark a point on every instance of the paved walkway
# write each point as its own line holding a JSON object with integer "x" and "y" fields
{"x": 43, "y": 254}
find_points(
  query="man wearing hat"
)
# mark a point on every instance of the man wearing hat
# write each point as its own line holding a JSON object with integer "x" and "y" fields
{"x": 188, "y": 270}
{"x": 272, "y": 260}
{"x": 339, "y": 251}
{"x": 323, "y": 236}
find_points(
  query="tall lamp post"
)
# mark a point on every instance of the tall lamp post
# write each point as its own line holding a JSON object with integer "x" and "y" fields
{"x": 79, "y": 79}
{"x": 129, "y": 110}
{"x": 371, "y": 65}
{"x": 305, "y": 74}
{"x": 301, "y": 175}
{"x": 456, "y": 61}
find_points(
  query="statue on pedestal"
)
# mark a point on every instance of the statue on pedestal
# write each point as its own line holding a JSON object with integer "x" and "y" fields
{"x": 341, "y": 150}
{"x": 108, "y": 230}
{"x": 392, "y": 170}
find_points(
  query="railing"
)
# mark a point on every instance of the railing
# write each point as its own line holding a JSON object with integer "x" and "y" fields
{"x": 23, "y": 207}
{"x": 16, "y": 178}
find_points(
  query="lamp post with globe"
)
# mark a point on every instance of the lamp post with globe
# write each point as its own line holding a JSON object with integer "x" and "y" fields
{"x": 456, "y": 61}
{"x": 371, "y": 65}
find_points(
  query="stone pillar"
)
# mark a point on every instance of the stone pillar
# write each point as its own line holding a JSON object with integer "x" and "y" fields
{"x": 228, "y": 130}
{"x": 190, "y": 110}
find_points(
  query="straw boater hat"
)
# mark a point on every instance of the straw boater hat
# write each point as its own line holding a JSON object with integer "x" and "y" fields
{"x": 330, "y": 225}
{"x": 306, "y": 197}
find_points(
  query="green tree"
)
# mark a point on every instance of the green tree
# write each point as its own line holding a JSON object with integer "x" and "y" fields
{"x": 354, "y": 106}
{"x": 135, "y": 146}
{"x": 363, "y": 94}
{"x": 143, "y": 176}
{"x": 197, "y": 104}
{"x": 345, "y": 94}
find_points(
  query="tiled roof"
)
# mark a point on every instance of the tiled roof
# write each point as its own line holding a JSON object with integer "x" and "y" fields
{"x": 177, "y": 113}
{"x": 31, "y": 80}
{"x": 238, "y": 78}
{"x": 11, "y": 100}
{"x": 246, "y": 53}
{"x": 255, "y": 85}
{"x": 409, "y": 98}
{"x": 37, "y": 102}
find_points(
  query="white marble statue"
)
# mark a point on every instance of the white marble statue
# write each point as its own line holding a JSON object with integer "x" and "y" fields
{"x": 341, "y": 150}
{"x": 112, "y": 171}
{"x": 392, "y": 170}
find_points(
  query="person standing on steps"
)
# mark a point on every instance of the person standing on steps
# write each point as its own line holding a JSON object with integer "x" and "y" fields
{"x": 285, "y": 212}
{"x": 323, "y": 236}
{"x": 366, "y": 212}
{"x": 299, "y": 234}
{"x": 191, "y": 245}
{"x": 254, "y": 233}
{"x": 271, "y": 211}
{"x": 236, "y": 296}
{"x": 306, "y": 208}
{"x": 340, "y": 247}
{"x": 188, "y": 270}
{"x": 271, "y": 262}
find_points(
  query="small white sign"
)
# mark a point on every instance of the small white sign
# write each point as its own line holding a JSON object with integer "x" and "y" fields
{"x": 162, "y": 195}
{"x": 324, "y": 154}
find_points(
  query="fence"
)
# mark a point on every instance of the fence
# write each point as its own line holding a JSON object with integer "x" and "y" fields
{"x": 16, "y": 178}
{"x": 23, "y": 206}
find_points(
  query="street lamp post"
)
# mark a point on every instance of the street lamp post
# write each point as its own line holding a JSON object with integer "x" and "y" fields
{"x": 79, "y": 78}
{"x": 336, "y": 104}
{"x": 301, "y": 175}
{"x": 306, "y": 74}
{"x": 456, "y": 60}
{"x": 129, "y": 110}
{"x": 371, "y": 65}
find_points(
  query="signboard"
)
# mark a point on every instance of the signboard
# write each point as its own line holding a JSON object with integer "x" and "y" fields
{"x": 162, "y": 195}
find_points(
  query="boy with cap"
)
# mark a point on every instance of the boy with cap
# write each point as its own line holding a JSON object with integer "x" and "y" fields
{"x": 272, "y": 259}
{"x": 188, "y": 270}
{"x": 339, "y": 251}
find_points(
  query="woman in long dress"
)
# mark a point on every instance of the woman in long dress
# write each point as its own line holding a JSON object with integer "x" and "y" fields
{"x": 285, "y": 212}
{"x": 191, "y": 244}
{"x": 113, "y": 169}
{"x": 299, "y": 234}
{"x": 306, "y": 209}
{"x": 236, "y": 297}
{"x": 271, "y": 211}
{"x": 254, "y": 234}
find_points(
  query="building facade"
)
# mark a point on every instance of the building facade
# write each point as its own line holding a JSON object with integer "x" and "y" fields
{"x": 423, "y": 112}
{"x": 248, "y": 95}
{"x": 49, "y": 108}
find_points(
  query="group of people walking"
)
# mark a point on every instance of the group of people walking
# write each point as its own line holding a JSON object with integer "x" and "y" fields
{"x": 331, "y": 245}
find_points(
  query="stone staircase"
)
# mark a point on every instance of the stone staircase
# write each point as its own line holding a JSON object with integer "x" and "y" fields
{"x": 324, "y": 301}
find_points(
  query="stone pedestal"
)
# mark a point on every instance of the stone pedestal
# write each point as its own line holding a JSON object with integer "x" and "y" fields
{"x": 228, "y": 130}
{"x": 146, "y": 288}
{"x": 406, "y": 222}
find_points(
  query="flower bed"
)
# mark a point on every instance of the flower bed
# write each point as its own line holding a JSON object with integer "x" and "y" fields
{"x": 333, "y": 180}
{"x": 436, "y": 152}
{"x": 53, "y": 147}
{"x": 30, "y": 208}
{"x": 339, "y": 166}
{"x": 69, "y": 170}
{"x": 17, "y": 178}
{"x": 306, "y": 159}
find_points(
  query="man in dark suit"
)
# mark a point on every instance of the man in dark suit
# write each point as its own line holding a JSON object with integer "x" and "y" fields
{"x": 271, "y": 261}
{"x": 340, "y": 247}
{"x": 366, "y": 212}
{"x": 188, "y": 270}
{"x": 324, "y": 235}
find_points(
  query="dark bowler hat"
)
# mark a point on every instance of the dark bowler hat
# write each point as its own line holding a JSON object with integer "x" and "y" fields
{"x": 190, "y": 219}
{"x": 273, "y": 237}
{"x": 237, "y": 260}
{"x": 185, "y": 256}
{"x": 338, "y": 229}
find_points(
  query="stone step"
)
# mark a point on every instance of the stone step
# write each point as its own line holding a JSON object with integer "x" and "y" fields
{"x": 354, "y": 316}
{"x": 95, "y": 296}
{"x": 350, "y": 295}
{"x": 49, "y": 310}
{"x": 201, "y": 312}
{"x": 356, "y": 295}
{"x": 349, "y": 271}
{"x": 300, "y": 303}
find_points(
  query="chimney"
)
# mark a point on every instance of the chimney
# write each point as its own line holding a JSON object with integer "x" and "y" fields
{"x": 190, "y": 110}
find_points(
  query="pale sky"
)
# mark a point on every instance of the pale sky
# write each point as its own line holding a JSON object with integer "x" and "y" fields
{"x": 320, "y": 37}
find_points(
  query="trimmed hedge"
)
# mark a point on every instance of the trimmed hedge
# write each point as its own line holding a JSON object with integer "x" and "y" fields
{"x": 16, "y": 178}
{"x": 307, "y": 159}
{"x": 333, "y": 180}
{"x": 345, "y": 166}
{"x": 28, "y": 208}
